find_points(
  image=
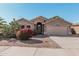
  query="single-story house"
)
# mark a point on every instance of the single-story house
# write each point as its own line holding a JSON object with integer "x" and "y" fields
{"x": 53, "y": 26}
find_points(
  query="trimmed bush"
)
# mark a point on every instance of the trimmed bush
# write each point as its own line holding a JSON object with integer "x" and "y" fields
{"x": 24, "y": 35}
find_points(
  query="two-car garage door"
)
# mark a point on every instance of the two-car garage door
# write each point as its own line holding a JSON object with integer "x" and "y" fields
{"x": 57, "y": 30}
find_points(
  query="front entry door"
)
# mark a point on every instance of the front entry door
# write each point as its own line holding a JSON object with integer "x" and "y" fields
{"x": 39, "y": 28}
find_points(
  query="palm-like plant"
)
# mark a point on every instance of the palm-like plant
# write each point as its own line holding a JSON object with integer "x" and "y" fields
{"x": 14, "y": 25}
{"x": 6, "y": 30}
{"x": 2, "y": 22}
{"x": 10, "y": 29}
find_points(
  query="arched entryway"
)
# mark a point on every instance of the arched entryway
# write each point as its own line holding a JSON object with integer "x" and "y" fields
{"x": 40, "y": 28}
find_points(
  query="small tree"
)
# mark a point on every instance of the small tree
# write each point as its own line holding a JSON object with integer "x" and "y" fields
{"x": 57, "y": 17}
{"x": 2, "y": 22}
{"x": 14, "y": 25}
{"x": 6, "y": 30}
{"x": 10, "y": 29}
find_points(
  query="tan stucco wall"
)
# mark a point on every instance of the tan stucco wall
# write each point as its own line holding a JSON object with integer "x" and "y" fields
{"x": 36, "y": 21}
{"x": 26, "y": 23}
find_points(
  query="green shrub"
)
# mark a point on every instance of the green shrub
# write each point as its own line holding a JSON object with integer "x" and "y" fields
{"x": 10, "y": 29}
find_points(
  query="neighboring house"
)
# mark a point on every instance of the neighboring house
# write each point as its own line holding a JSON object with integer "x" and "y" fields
{"x": 52, "y": 26}
{"x": 76, "y": 28}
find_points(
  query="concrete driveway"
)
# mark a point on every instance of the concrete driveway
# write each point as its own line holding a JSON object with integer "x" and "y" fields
{"x": 66, "y": 42}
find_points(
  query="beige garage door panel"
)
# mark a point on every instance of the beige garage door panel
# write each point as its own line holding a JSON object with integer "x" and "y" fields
{"x": 56, "y": 30}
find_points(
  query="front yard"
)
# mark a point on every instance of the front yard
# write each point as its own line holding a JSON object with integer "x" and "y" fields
{"x": 36, "y": 41}
{"x": 44, "y": 41}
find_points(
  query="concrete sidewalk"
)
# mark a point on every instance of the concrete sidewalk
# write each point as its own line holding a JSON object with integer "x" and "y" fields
{"x": 29, "y": 51}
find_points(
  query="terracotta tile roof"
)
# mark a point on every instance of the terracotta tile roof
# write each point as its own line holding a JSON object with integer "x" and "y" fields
{"x": 53, "y": 19}
{"x": 25, "y": 20}
{"x": 58, "y": 19}
{"x": 39, "y": 17}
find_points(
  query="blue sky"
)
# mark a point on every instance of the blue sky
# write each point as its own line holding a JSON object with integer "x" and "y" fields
{"x": 68, "y": 11}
